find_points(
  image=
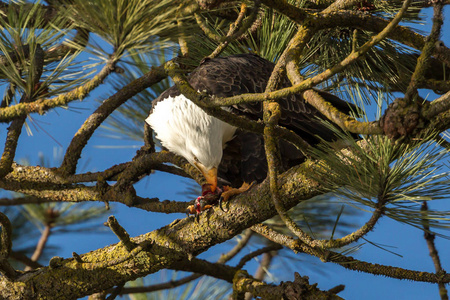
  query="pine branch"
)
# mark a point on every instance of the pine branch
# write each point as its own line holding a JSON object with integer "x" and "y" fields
{"x": 73, "y": 153}
{"x": 42, "y": 105}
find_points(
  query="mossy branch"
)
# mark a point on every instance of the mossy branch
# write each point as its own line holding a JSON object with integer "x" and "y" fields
{"x": 349, "y": 262}
{"x": 5, "y": 248}
{"x": 46, "y": 185}
{"x": 120, "y": 232}
{"x": 426, "y": 53}
{"x": 238, "y": 28}
{"x": 107, "y": 267}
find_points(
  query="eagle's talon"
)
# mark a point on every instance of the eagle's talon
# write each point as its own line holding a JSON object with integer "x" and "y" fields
{"x": 220, "y": 204}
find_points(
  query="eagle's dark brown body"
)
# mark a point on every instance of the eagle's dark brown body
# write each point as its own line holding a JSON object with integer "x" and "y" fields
{"x": 244, "y": 157}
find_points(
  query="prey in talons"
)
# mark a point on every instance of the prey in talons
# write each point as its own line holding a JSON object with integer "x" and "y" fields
{"x": 210, "y": 197}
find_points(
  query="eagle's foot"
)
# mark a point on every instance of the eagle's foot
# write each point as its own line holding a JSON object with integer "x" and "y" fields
{"x": 200, "y": 205}
{"x": 229, "y": 192}
{"x": 204, "y": 202}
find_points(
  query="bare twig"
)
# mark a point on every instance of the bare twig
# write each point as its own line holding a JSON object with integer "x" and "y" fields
{"x": 40, "y": 245}
{"x": 120, "y": 232}
{"x": 429, "y": 238}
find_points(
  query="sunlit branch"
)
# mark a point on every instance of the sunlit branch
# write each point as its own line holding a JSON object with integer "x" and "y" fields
{"x": 120, "y": 232}
{"x": 360, "y": 20}
{"x": 46, "y": 185}
{"x": 175, "y": 283}
{"x": 233, "y": 28}
{"x": 42, "y": 105}
{"x": 272, "y": 114}
{"x": 440, "y": 105}
{"x": 342, "y": 120}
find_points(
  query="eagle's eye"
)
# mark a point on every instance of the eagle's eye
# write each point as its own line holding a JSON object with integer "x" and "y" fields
{"x": 196, "y": 159}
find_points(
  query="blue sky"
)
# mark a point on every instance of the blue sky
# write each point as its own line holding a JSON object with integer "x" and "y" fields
{"x": 61, "y": 125}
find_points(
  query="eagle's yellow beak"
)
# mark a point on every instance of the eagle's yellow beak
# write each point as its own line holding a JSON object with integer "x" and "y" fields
{"x": 210, "y": 175}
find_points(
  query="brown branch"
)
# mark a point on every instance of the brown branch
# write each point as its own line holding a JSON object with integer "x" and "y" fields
{"x": 256, "y": 253}
{"x": 172, "y": 284}
{"x": 104, "y": 268}
{"x": 161, "y": 286}
{"x": 260, "y": 273}
{"x": 42, "y": 105}
{"x": 107, "y": 267}
{"x": 440, "y": 105}
{"x": 236, "y": 249}
{"x": 40, "y": 246}
{"x": 349, "y": 262}
{"x": 426, "y": 53}
{"x": 46, "y": 185}
{"x": 342, "y": 120}
{"x": 231, "y": 32}
{"x": 429, "y": 238}
{"x": 120, "y": 232}
{"x": 20, "y": 257}
{"x": 298, "y": 289}
{"x": 5, "y": 248}
{"x": 359, "y": 20}
{"x": 142, "y": 164}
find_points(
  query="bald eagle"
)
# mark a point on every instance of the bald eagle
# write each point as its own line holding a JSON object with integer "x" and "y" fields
{"x": 220, "y": 150}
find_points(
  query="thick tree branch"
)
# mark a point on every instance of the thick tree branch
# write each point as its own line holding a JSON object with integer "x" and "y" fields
{"x": 107, "y": 267}
{"x": 46, "y": 185}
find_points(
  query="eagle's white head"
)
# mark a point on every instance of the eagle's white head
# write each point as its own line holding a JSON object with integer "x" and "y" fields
{"x": 185, "y": 129}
